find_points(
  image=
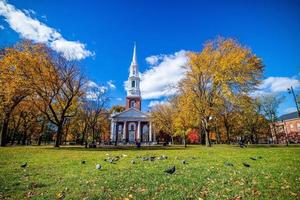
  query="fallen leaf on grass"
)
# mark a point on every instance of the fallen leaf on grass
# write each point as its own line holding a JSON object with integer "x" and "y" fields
{"x": 60, "y": 195}
{"x": 255, "y": 192}
{"x": 237, "y": 198}
{"x": 30, "y": 194}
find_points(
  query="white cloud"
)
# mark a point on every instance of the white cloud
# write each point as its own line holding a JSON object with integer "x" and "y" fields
{"x": 29, "y": 12}
{"x": 111, "y": 84}
{"x": 155, "y": 102}
{"x": 278, "y": 84}
{"x": 275, "y": 85}
{"x": 152, "y": 60}
{"x": 91, "y": 84}
{"x": 93, "y": 90}
{"x": 71, "y": 50}
{"x": 160, "y": 79}
{"x": 119, "y": 99}
{"x": 1, "y": 27}
{"x": 32, "y": 29}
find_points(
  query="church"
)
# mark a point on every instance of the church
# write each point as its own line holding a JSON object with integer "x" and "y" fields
{"x": 132, "y": 125}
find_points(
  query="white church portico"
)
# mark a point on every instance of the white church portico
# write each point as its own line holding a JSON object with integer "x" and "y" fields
{"x": 132, "y": 125}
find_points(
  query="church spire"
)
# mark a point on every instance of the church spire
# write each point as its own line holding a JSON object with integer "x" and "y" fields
{"x": 134, "y": 65}
{"x": 133, "y": 88}
{"x": 134, "y": 61}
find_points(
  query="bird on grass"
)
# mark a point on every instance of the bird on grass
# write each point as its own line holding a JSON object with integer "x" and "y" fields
{"x": 98, "y": 167}
{"x": 228, "y": 164}
{"x": 246, "y": 164}
{"x": 145, "y": 158}
{"x": 152, "y": 158}
{"x": 83, "y": 162}
{"x": 111, "y": 161}
{"x": 24, "y": 165}
{"x": 253, "y": 158}
{"x": 170, "y": 170}
{"x": 164, "y": 157}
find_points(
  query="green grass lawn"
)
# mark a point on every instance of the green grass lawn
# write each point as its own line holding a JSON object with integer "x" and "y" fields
{"x": 58, "y": 173}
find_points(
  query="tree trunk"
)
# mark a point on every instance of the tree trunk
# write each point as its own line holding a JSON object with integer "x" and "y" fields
{"x": 218, "y": 135}
{"x": 13, "y": 138}
{"x": 58, "y": 135}
{"x": 4, "y": 130}
{"x": 24, "y": 137}
{"x": 184, "y": 141}
{"x": 207, "y": 139}
{"x": 40, "y": 140}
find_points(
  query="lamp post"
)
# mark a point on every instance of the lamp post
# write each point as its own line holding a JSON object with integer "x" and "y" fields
{"x": 291, "y": 91}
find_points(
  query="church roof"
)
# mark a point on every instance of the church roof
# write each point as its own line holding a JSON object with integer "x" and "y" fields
{"x": 289, "y": 116}
{"x": 131, "y": 113}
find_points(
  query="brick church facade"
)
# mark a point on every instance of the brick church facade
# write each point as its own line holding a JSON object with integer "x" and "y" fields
{"x": 132, "y": 125}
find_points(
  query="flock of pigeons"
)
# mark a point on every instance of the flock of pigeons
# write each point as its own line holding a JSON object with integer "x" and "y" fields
{"x": 244, "y": 163}
{"x": 170, "y": 170}
{"x": 115, "y": 159}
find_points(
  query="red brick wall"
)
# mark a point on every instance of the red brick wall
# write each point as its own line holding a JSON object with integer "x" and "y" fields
{"x": 137, "y": 100}
{"x": 291, "y": 130}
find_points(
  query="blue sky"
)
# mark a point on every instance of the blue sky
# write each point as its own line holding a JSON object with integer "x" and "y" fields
{"x": 101, "y": 34}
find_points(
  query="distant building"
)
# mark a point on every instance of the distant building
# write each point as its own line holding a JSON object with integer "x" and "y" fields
{"x": 288, "y": 128}
{"x": 132, "y": 125}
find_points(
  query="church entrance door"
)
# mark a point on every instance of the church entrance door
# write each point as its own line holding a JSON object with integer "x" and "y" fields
{"x": 132, "y": 128}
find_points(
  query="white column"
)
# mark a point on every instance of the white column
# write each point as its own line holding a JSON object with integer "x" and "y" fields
{"x": 139, "y": 131}
{"x": 112, "y": 130}
{"x": 150, "y": 132}
{"x": 124, "y": 131}
{"x": 115, "y": 131}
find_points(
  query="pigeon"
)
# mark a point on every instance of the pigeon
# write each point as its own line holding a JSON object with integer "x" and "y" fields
{"x": 246, "y": 164}
{"x": 116, "y": 158}
{"x": 145, "y": 158}
{"x": 24, "y": 165}
{"x": 229, "y": 164}
{"x": 184, "y": 162}
{"x": 132, "y": 161}
{"x": 83, "y": 162}
{"x": 98, "y": 166}
{"x": 252, "y": 158}
{"x": 111, "y": 161}
{"x": 152, "y": 158}
{"x": 170, "y": 170}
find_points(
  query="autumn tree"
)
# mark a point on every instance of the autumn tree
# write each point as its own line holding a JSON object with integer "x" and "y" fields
{"x": 94, "y": 106}
{"x": 15, "y": 63}
{"x": 162, "y": 117}
{"x": 183, "y": 120}
{"x": 269, "y": 108}
{"x": 58, "y": 85}
{"x": 222, "y": 70}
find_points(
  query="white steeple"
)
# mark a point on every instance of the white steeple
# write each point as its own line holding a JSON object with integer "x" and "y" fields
{"x": 133, "y": 87}
{"x": 133, "y": 71}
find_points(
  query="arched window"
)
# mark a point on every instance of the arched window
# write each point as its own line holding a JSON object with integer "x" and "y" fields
{"x": 133, "y": 84}
{"x": 132, "y": 104}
